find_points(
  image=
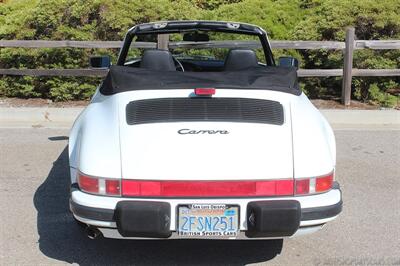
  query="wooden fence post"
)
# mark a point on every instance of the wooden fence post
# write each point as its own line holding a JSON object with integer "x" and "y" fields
{"x": 348, "y": 66}
{"x": 163, "y": 41}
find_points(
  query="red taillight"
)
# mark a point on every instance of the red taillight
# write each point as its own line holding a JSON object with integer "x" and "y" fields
{"x": 98, "y": 185}
{"x": 88, "y": 183}
{"x": 137, "y": 188}
{"x": 204, "y": 91}
{"x": 314, "y": 185}
{"x": 302, "y": 186}
{"x": 255, "y": 188}
{"x": 113, "y": 187}
{"x": 284, "y": 187}
{"x": 324, "y": 183}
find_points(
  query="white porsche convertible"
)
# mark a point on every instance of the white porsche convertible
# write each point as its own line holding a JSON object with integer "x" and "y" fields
{"x": 196, "y": 133}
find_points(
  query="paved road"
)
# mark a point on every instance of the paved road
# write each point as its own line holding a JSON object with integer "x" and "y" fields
{"x": 36, "y": 227}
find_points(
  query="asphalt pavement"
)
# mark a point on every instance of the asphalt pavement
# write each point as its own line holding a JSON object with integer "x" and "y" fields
{"x": 36, "y": 227}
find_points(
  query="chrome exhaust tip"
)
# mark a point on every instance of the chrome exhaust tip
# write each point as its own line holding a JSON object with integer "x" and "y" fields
{"x": 93, "y": 232}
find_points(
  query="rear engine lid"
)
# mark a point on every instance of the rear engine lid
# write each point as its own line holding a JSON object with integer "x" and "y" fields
{"x": 206, "y": 139}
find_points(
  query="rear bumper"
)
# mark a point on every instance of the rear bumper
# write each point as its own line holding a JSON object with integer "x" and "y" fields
{"x": 276, "y": 217}
{"x": 320, "y": 213}
{"x": 107, "y": 215}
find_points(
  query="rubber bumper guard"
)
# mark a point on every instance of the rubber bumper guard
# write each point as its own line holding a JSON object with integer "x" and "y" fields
{"x": 273, "y": 218}
{"x": 143, "y": 219}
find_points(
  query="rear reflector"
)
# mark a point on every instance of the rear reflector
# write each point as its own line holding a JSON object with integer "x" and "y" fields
{"x": 204, "y": 91}
{"x": 138, "y": 188}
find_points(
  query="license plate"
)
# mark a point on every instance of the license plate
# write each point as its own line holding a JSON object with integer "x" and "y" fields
{"x": 217, "y": 220}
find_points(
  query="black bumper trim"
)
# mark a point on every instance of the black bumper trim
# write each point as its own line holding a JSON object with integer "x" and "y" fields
{"x": 318, "y": 213}
{"x": 98, "y": 214}
{"x": 336, "y": 185}
{"x": 107, "y": 215}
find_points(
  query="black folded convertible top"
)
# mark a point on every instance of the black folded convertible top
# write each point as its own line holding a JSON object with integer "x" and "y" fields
{"x": 122, "y": 78}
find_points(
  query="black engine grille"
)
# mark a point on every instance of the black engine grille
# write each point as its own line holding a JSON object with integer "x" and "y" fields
{"x": 204, "y": 109}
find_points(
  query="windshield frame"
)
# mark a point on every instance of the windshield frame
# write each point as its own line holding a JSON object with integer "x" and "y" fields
{"x": 185, "y": 26}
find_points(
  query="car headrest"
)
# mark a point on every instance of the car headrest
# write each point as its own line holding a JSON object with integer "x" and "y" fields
{"x": 238, "y": 59}
{"x": 160, "y": 60}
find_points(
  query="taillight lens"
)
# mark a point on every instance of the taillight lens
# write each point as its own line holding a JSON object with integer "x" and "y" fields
{"x": 98, "y": 185}
{"x": 113, "y": 187}
{"x": 140, "y": 188}
{"x": 255, "y": 188}
{"x": 88, "y": 183}
{"x": 314, "y": 184}
{"x": 204, "y": 91}
{"x": 302, "y": 186}
{"x": 324, "y": 183}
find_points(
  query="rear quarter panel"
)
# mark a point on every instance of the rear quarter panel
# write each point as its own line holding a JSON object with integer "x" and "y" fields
{"x": 94, "y": 140}
{"x": 314, "y": 147}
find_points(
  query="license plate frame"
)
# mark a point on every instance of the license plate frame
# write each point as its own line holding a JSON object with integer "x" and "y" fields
{"x": 195, "y": 210}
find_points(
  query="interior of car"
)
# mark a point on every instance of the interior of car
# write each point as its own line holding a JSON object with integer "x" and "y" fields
{"x": 188, "y": 54}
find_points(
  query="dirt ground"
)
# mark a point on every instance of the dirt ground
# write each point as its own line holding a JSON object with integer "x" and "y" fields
{"x": 17, "y": 102}
{"x": 335, "y": 104}
{"x": 35, "y": 102}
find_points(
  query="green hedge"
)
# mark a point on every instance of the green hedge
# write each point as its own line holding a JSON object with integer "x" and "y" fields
{"x": 110, "y": 19}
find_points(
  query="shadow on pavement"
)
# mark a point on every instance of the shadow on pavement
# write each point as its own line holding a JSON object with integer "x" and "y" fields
{"x": 62, "y": 239}
{"x": 58, "y": 138}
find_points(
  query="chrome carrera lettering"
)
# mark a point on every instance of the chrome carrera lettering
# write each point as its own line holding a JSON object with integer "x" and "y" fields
{"x": 185, "y": 131}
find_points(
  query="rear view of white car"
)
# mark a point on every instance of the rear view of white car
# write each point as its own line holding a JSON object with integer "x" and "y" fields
{"x": 202, "y": 139}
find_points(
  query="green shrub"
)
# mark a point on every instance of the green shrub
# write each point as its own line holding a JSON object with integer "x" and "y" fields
{"x": 282, "y": 19}
{"x": 67, "y": 90}
{"x": 71, "y": 20}
{"x": 372, "y": 20}
{"x": 376, "y": 92}
{"x": 23, "y": 87}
